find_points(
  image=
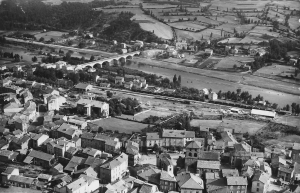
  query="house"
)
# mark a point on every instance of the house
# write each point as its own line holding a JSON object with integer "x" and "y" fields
{"x": 296, "y": 175}
{"x": 112, "y": 146}
{"x": 37, "y": 140}
{"x": 17, "y": 68}
{"x": 212, "y": 96}
{"x": 164, "y": 162}
{"x": 167, "y": 181}
{"x": 260, "y": 182}
{"x": 152, "y": 139}
{"x": 61, "y": 146}
{"x": 268, "y": 114}
{"x": 81, "y": 87}
{"x": 229, "y": 173}
{"x": 67, "y": 131}
{"x": 128, "y": 85}
{"x": 119, "y": 80}
{"x": 89, "y": 171}
{"x": 90, "y": 107}
{"x": 12, "y": 107}
{"x": 114, "y": 169}
{"x": 19, "y": 143}
{"x": 81, "y": 124}
{"x": 74, "y": 164}
{"x": 182, "y": 45}
{"x": 56, "y": 169}
{"x": 132, "y": 150}
{"x": 84, "y": 184}
{"x": 257, "y": 51}
{"x": 9, "y": 171}
{"x": 188, "y": 182}
{"x": 90, "y": 152}
{"x": 54, "y": 102}
{"x": 60, "y": 64}
{"x": 176, "y": 137}
{"x": 285, "y": 173}
{"x": 7, "y": 156}
{"x": 204, "y": 166}
{"x": 39, "y": 158}
{"x": 237, "y": 184}
{"x": 208, "y": 51}
{"x": 21, "y": 181}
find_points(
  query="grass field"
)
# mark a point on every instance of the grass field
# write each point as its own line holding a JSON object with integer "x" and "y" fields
{"x": 120, "y": 125}
{"x": 252, "y": 39}
{"x": 194, "y": 25}
{"x": 119, "y": 10}
{"x": 50, "y": 34}
{"x": 198, "y": 35}
{"x": 294, "y": 22}
{"x": 242, "y": 126}
{"x": 144, "y": 115}
{"x": 210, "y": 63}
{"x": 154, "y": 6}
{"x": 276, "y": 70}
{"x": 227, "y": 19}
{"x": 160, "y": 29}
{"x": 231, "y": 40}
{"x": 228, "y": 62}
{"x": 260, "y": 30}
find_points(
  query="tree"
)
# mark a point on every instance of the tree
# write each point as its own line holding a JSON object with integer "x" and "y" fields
{"x": 175, "y": 79}
{"x": 287, "y": 108}
{"x": 34, "y": 59}
{"x": 109, "y": 94}
{"x": 52, "y": 40}
{"x": 92, "y": 58}
{"x": 41, "y": 39}
{"x": 238, "y": 91}
{"x": 179, "y": 80}
{"x": 81, "y": 44}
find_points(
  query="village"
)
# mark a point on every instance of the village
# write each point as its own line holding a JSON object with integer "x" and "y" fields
{"x": 44, "y": 147}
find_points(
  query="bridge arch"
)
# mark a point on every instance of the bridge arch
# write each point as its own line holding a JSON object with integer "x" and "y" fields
{"x": 105, "y": 64}
{"x": 129, "y": 57}
{"x": 97, "y": 65}
{"x": 115, "y": 62}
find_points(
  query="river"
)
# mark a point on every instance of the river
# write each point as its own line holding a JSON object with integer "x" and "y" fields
{"x": 200, "y": 82}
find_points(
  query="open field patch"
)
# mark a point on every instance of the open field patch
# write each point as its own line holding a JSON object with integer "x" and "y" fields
{"x": 249, "y": 39}
{"x": 230, "y": 40}
{"x": 182, "y": 35}
{"x": 276, "y": 70}
{"x": 119, "y": 10}
{"x": 123, "y": 126}
{"x": 142, "y": 116}
{"x": 191, "y": 25}
{"x": 227, "y": 19}
{"x": 294, "y": 22}
{"x": 160, "y": 29}
{"x": 50, "y": 34}
{"x": 155, "y": 6}
{"x": 229, "y": 62}
{"x": 262, "y": 30}
{"x": 210, "y": 63}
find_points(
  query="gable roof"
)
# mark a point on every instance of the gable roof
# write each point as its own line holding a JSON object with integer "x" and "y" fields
{"x": 261, "y": 177}
{"x": 82, "y": 86}
{"x": 189, "y": 181}
{"x": 40, "y": 155}
{"x": 237, "y": 181}
{"x": 230, "y": 172}
{"x": 207, "y": 155}
{"x": 168, "y": 133}
{"x": 115, "y": 161}
{"x": 204, "y": 164}
{"x": 194, "y": 145}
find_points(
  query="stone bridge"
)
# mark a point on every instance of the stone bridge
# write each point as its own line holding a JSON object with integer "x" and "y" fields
{"x": 111, "y": 60}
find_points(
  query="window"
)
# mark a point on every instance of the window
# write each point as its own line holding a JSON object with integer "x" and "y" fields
{"x": 190, "y": 154}
{"x": 257, "y": 189}
{"x": 257, "y": 183}
{"x": 195, "y": 155}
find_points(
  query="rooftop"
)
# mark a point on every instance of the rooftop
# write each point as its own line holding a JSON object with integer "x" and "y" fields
{"x": 237, "y": 181}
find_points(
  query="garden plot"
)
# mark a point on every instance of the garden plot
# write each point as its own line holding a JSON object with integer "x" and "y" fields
{"x": 223, "y": 5}
{"x": 231, "y": 40}
{"x": 254, "y": 19}
{"x": 136, "y": 11}
{"x": 188, "y": 25}
{"x": 208, "y": 20}
{"x": 275, "y": 15}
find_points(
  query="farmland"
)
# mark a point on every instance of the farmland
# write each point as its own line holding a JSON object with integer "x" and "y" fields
{"x": 229, "y": 62}
{"x": 48, "y": 35}
{"x": 276, "y": 70}
{"x": 194, "y": 25}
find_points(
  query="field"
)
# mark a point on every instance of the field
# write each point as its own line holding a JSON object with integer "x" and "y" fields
{"x": 14, "y": 189}
{"x": 194, "y": 25}
{"x": 198, "y": 35}
{"x": 144, "y": 115}
{"x": 294, "y": 22}
{"x": 154, "y": 5}
{"x": 160, "y": 29}
{"x": 223, "y": 5}
{"x": 260, "y": 30}
{"x": 239, "y": 126}
{"x": 119, "y": 10}
{"x": 51, "y": 34}
{"x": 252, "y": 40}
{"x": 231, "y": 40}
{"x": 293, "y": 54}
{"x": 210, "y": 63}
{"x": 276, "y": 70}
{"x": 227, "y": 19}
{"x": 120, "y": 125}
{"x": 228, "y": 62}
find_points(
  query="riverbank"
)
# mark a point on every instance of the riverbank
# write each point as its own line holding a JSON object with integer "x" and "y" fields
{"x": 198, "y": 78}
{"x": 244, "y": 79}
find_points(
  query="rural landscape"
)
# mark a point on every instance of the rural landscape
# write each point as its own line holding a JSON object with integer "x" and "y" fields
{"x": 150, "y": 96}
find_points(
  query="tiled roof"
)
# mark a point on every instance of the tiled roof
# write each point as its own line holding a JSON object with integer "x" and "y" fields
{"x": 75, "y": 185}
{"x": 261, "y": 176}
{"x": 218, "y": 185}
{"x": 194, "y": 145}
{"x": 203, "y": 164}
{"x": 40, "y": 155}
{"x": 237, "y": 181}
{"x": 230, "y": 172}
{"x": 115, "y": 162}
{"x": 206, "y": 155}
{"x": 21, "y": 179}
{"x": 189, "y": 181}
{"x": 152, "y": 136}
{"x": 166, "y": 176}
{"x": 177, "y": 134}
{"x": 146, "y": 173}
{"x": 8, "y": 170}
{"x": 92, "y": 103}
{"x": 81, "y": 86}
{"x": 146, "y": 188}
{"x": 285, "y": 169}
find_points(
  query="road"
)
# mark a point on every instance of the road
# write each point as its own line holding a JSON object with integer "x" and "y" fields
{"x": 96, "y": 52}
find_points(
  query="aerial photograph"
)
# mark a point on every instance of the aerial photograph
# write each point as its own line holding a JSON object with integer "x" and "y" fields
{"x": 149, "y": 96}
